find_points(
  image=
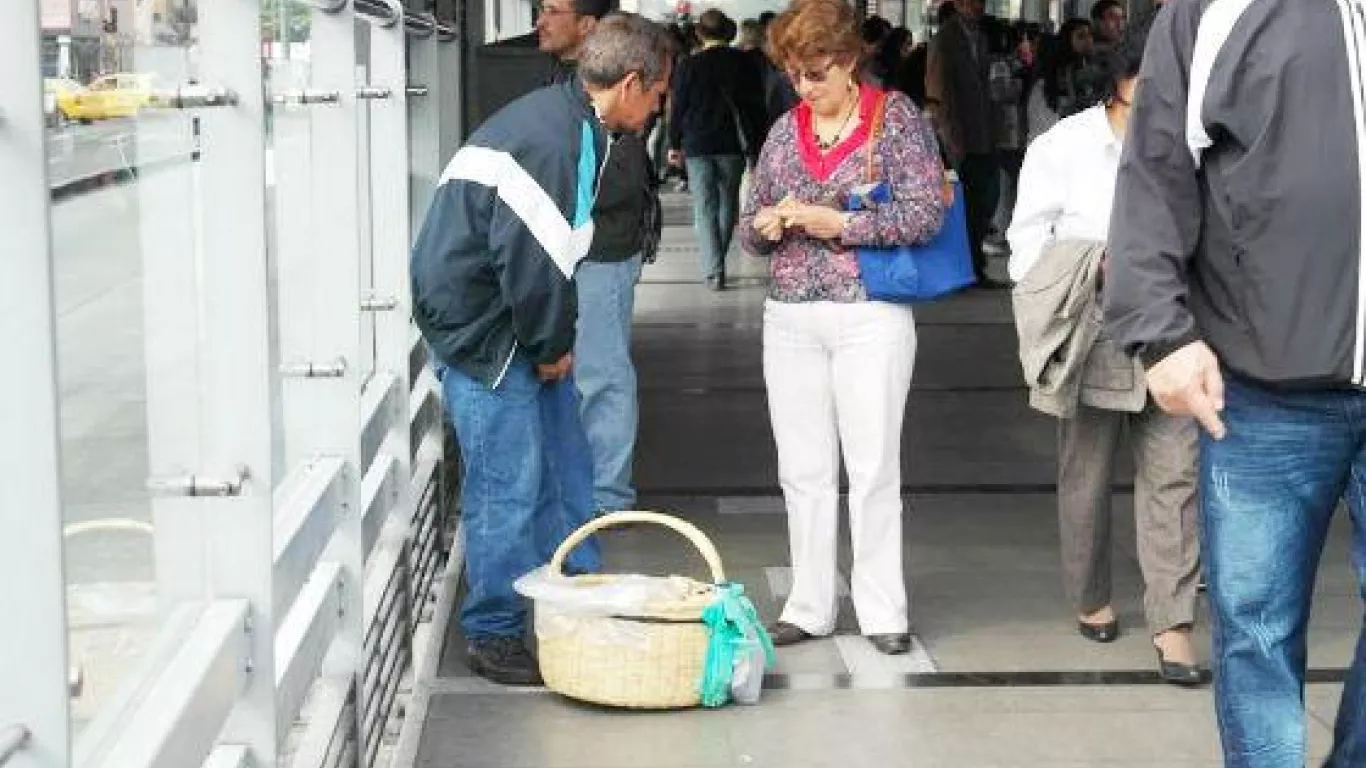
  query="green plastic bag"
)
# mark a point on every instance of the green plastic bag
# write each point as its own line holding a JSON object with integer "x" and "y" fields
{"x": 735, "y": 637}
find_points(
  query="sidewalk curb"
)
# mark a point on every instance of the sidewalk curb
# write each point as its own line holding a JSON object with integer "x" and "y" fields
{"x": 115, "y": 176}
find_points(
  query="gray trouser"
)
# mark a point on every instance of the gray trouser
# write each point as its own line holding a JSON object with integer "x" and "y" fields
{"x": 1165, "y": 460}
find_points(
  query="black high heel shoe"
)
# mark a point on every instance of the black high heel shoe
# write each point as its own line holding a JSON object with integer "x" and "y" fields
{"x": 1099, "y": 633}
{"x": 1176, "y": 673}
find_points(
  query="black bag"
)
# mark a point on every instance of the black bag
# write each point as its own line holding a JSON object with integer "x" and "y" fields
{"x": 652, "y": 223}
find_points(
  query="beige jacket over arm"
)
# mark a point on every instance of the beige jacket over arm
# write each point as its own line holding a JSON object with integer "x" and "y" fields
{"x": 1066, "y": 358}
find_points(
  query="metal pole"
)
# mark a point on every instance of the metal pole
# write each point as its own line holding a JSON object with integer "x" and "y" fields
{"x": 209, "y": 399}
{"x": 320, "y": 315}
{"x": 33, "y": 650}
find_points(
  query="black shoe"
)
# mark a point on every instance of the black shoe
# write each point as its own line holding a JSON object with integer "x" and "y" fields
{"x": 1099, "y": 633}
{"x": 892, "y": 645}
{"x": 504, "y": 660}
{"x": 783, "y": 633}
{"x": 716, "y": 282}
{"x": 1175, "y": 673}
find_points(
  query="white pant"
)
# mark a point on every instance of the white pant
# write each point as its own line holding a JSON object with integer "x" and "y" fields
{"x": 838, "y": 376}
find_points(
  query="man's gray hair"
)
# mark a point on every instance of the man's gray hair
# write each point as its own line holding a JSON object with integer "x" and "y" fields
{"x": 622, "y": 43}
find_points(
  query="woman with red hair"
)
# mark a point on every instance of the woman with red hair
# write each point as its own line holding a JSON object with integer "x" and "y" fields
{"x": 837, "y": 366}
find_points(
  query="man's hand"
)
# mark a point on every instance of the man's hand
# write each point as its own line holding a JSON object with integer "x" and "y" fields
{"x": 1188, "y": 383}
{"x": 557, "y": 370}
{"x": 676, "y": 158}
{"x": 769, "y": 224}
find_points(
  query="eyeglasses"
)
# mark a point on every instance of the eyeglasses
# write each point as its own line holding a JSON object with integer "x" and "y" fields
{"x": 550, "y": 10}
{"x": 816, "y": 76}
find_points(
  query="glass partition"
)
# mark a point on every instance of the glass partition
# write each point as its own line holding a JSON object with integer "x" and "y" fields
{"x": 123, "y": 177}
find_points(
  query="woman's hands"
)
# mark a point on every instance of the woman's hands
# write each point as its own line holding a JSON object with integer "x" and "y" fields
{"x": 814, "y": 220}
{"x": 769, "y": 224}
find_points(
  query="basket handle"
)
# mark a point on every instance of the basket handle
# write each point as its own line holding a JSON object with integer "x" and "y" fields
{"x": 687, "y": 529}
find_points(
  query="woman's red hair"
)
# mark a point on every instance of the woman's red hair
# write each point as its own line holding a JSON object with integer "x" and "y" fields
{"x": 812, "y": 30}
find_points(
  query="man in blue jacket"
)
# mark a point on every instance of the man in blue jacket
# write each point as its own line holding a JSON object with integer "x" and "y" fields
{"x": 494, "y": 296}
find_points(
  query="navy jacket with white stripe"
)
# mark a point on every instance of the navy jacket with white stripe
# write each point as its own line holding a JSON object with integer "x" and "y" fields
{"x": 1238, "y": 213}
{"x": 492, "y": 269}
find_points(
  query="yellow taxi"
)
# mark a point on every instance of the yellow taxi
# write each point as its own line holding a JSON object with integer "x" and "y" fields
{"x": 107, "y": 96}
{"x": 53, "y": 89}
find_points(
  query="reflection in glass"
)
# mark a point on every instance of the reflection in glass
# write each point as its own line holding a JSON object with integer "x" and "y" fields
{"x": 122, "y": 179}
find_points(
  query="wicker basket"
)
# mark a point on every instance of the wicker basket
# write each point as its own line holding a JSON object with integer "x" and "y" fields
{"x": 652, "y": 659}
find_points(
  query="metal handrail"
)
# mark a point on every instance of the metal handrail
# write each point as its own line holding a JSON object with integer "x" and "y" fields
{"x": 12, "y": 739}
{"x": 386, "y": 13}
{"x": 420, "y": 24}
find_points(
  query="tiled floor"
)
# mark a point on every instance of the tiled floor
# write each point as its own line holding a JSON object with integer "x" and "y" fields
{"x": 999, "y": 676}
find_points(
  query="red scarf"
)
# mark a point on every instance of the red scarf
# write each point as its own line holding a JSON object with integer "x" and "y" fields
{"x": 820, "y": 165}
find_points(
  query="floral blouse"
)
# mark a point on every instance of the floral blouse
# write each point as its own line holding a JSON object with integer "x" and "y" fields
{"x": 804, "y": 268}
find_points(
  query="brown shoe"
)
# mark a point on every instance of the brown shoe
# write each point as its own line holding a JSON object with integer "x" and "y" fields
{"x": 783, "y": 634}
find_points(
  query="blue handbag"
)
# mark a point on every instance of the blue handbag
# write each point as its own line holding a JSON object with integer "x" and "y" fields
{"x": 906, "y": 274}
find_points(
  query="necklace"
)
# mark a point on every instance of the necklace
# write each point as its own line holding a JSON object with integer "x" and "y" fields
{"x": 825, "y": 145}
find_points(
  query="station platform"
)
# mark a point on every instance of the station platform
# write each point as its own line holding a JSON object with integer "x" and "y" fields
{"x": 998, "y": 676}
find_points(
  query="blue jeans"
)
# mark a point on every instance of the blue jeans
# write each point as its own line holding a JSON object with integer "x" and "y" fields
{"x": 715, "y": 184}
{"x": 1268, "y": 493}
{"x": 527, "y": 485}
{"x": 607, "y": 377}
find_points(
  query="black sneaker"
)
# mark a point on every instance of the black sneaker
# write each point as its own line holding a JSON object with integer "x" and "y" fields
{"x": 504, "y": 660}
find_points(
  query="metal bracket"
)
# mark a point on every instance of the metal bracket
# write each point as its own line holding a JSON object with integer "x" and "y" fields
{"x": 195, "y": 485}
{"x": 378, "y": 303}
{"x": 373, "y": 92}
{"x": 192, "y": 97}
{"x": 248, "y": 629}
{"x": 306, "y": 97}
{"x": 310, "y": 370}
{"x": 418, "y": 90}
{"x": 12, "y": 739}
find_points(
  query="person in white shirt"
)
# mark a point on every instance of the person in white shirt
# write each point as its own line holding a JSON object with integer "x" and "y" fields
{"x": 1066, "y": 188}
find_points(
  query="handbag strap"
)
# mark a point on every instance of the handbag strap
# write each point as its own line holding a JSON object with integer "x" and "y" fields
{"x": 874, "y": 134}
{"x": 946, "y": 192}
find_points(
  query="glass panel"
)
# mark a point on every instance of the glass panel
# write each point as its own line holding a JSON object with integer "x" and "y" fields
{"x": 286, "y": 47}
{"x": 122, "y": 173}
{"x": 364, "y": 220}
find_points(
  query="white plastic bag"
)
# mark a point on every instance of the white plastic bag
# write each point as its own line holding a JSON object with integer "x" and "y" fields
{"x": 747, "y": 678}
{"x": 624, "y": 595}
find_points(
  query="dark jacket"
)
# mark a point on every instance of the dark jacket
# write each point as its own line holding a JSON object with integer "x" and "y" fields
{"x": 778, "y": 96}
{"x": 626, "y": 193}
{"x": 1238, "y": 208}
{"x": 964, "y": 68}
{"x": 717, "y": 104}
{"x": 493, "y": 265}
{"x": 911, "y": 78}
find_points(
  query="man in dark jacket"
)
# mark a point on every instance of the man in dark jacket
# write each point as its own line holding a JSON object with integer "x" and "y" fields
{"x": 607, "y": 277}
{"x": 1236, "y": 273}
{"x": 494, "y": 296}
{"x": 716, "y": 121}
{"x": 958, "y": 95}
